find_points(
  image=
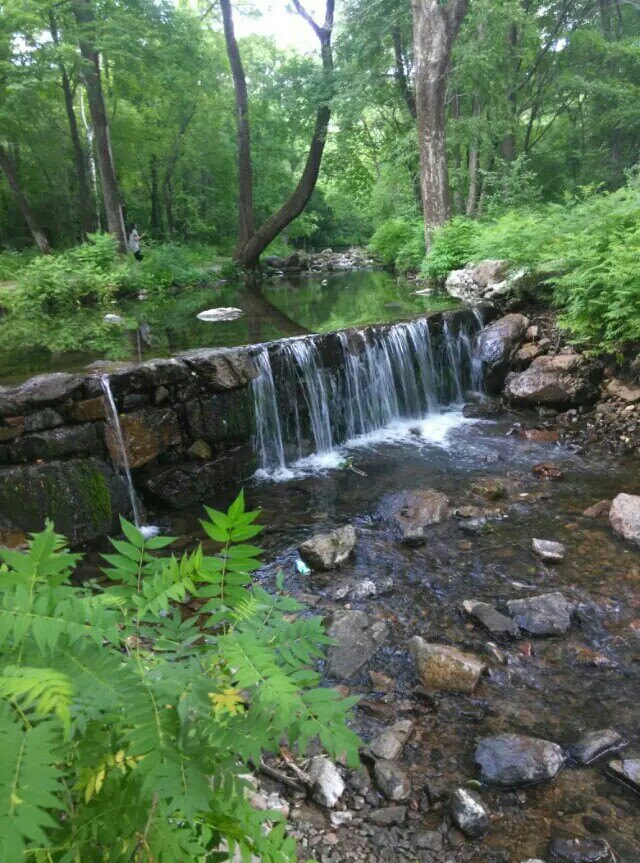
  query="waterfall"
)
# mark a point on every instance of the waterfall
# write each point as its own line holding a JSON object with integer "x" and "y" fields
{"x": 123, "y": 463}
{"x": 381, "y": 378}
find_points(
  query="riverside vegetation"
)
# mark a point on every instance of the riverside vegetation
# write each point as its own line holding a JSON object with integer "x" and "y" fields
{"x": 129, "y": 718}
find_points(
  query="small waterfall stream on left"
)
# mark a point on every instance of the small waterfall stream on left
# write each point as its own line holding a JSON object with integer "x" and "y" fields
{"x": 122, "y": 463}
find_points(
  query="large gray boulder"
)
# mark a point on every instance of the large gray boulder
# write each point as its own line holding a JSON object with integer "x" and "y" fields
{"x": 559, "y": 381}
{"x": 488, "y": 280}
{"x": 83, "y": 498}
{"x": 547, "y": 614}
{"x": 624, "y": 516}
{"x": 513, "y": 760}
{"x": 497, "y": 344}
{"x": 38, "y": 392}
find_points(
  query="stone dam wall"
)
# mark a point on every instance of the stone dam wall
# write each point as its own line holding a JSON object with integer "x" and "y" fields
{"x": 187, "y": 424}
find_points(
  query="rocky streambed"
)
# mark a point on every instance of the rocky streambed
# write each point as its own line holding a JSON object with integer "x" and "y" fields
{"x": 487, "y": 614}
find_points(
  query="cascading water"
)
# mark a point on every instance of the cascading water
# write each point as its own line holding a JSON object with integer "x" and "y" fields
{"x": 123, "y": 458}
{"x": 122, "y": 462}
{"x": 387, "y": 376}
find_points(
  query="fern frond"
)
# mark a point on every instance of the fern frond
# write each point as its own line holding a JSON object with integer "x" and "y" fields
{"x": 44, "y": 690}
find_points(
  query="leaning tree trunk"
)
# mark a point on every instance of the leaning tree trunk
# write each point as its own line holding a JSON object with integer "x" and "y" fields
{"x": 8, "y": 168}
{"x": 435, "y": 26}
{"x": 252, "y": 242}
{"x": 85, "y": 17}
{"x": 87, "y": 212}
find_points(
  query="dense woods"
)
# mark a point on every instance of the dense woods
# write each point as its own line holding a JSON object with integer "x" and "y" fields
{"x": 132, "y": 107}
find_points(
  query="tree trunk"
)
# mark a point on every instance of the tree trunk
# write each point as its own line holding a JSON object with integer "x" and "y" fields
{"x": 509, "y": 140}
{"x": 155, "y": 198}
{"x": 251, "y": 242}
{"x": 87, "y": 218}
{"x": 8, "y": 168}
{"x": 472, "y": 194}
{"x": 245, "y": 178}
{"x": 85, "y": 17}
{"x": 435, "y": 26}
{"x": 408, "y": 94}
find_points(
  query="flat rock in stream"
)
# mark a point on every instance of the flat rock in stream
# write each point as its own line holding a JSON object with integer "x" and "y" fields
{"x": 624, "y": 516}
{"x": 327, "y": 551}
{"x": 580, "y": 850}
{"x": 548, "y": 550}
{"x": 513, "y": 760}
{"x": 390, "y": 742}
{"x": 419, "y": 510}
{"x": 627, "y": 771}
{"x": 496, "y": 623}
{"x": 597, "y": 744}
{"x": 598, "y": 510}
{"x": 392, "y": 780}
{"x": 548, "y": 614}
{"x": 444, "y": 668}
{"x": 358, "y": 636}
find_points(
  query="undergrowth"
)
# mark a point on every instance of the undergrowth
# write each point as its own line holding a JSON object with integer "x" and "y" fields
{"x": 128, "y": 723}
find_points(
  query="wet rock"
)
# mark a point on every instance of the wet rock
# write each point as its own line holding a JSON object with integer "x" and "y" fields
{"x": 600, "y": 509}
{"x": 496, "y": 345}
{"x": 548, "y": 550}
{"x": 46, "y": 418}
{"x": 358, "y": 637}
{"x": 200, "y": 450}
{"x": 88, "y": 410}
{"x": 62, "y": 442}
{"x": 540, "y": 435}
{"x": 627, "y": 771}
{"x": 443, "y": 668}
{"x": 469, "y": 813}
{"x": 222, "y": 370}
{"x": 392, "y": 780}
{"x": 547, "y": 470}
{"x": 513, "y": 760}
{"x": 328, "y": 784}
{"x": 419, "y": 510}
{"x": 390, "y": 742}
{"x": 474, "y": 526}
{"x": 38, "y": 392}
{"x": 83, "y": 497}
{"x": 189, "y": 483}
{"x": 221, "y": 314}
{"x": 620, "y": 390}
{"x": 485, "y": 409}
{"x": 490, "y": 489}
{"x": 562, "y": 380}
{"x": 381, "y": 681}
{"x": 388, "y": 817}
{"x": 528, "y": 353}
{"x": 547, "y": 614}
{"x": 597, "y": 744}
{"x": 498, "y": 624}
{"x": 265, "y": 801}
{"x": 624, "y": 516}
{"x": 578, "y": 850}
{"x": 146, "y": 435}
{"x": 532, "y": 860}
{"x": 327, "y": 551}
{"x": 359, "y": 590}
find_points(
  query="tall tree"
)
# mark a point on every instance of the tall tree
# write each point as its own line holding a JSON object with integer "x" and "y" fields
{"x": 251, "y": 241}
{"x": 85, "y": 17}
{"x": 436, "y": 24}
{"x": 7, "y": 166}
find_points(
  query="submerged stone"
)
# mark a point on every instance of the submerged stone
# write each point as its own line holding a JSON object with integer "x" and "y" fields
{"x": 327, "y": 551}
{"x": 548, "y": 550}
{"x": 497, "y": 623}
{"x": 627, "y": 771}
{"x": 624, "y": 516}
{"x": 548, "y": 614}
{"x": 579, "y": 850}
{"x": 390, "y": 742}
{"x": 418, "y": 511}
{"x": 444, "y": 668}
{"x": 392, "y": 780}
{"x": 513, "y": 760}
{"x": 597, "y": 744}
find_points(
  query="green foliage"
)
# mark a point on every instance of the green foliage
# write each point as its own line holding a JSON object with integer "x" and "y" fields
{"x": 389, "y": 239}
{"x": 411, "y": 254}
{"x": 451, "y": 248}
{"x": 127, "y": 723}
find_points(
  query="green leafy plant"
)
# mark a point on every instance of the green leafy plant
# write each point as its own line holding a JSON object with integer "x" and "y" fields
{"x": 411, "y": 254}
{"x": 128, "y": 719}
{"x": 451, "y": 248}
{"x": 389, "y": 238}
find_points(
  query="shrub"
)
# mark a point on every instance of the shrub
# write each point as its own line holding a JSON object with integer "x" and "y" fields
{"x": 389, "y": 238}
{"x": 451, "y": 248}
{"x": 127, "y": 722}
{"x": 411, "y": 254}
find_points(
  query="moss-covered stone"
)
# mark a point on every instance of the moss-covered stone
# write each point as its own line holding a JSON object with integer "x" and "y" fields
{"x": 83, "y": 497}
